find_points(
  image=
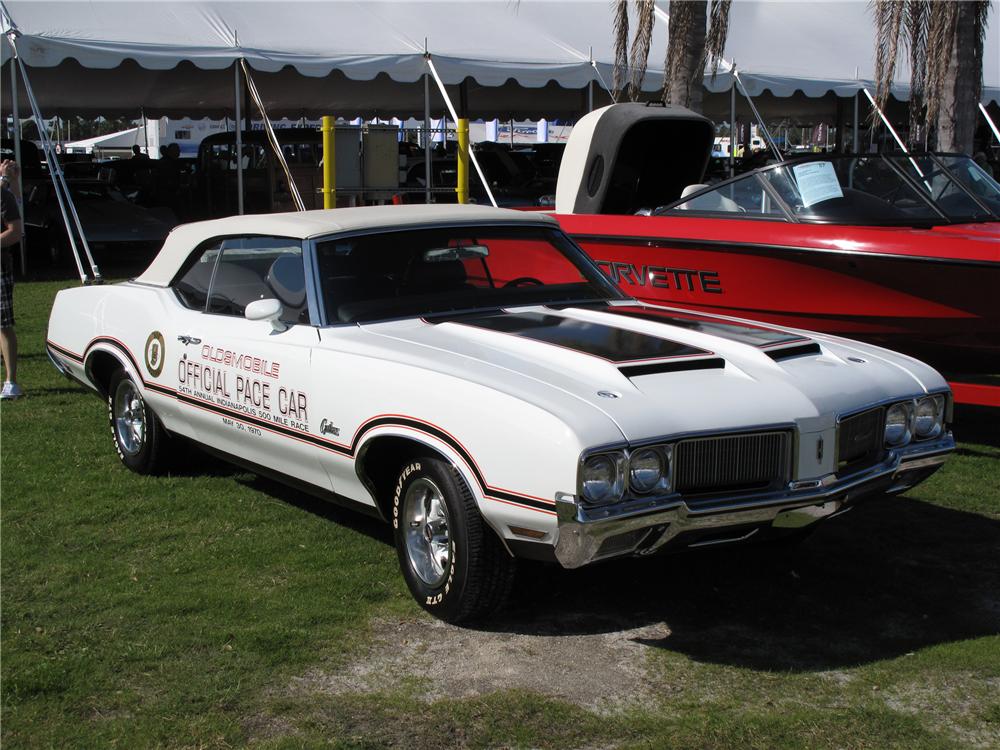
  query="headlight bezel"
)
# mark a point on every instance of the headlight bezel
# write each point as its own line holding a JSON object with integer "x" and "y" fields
{"x": 618, "y": 461}
{"x": 664, "y": 456}
{"x": 906, "y": 436}
{"x": 940, "y": 405}
{"x": 624, "y": 489}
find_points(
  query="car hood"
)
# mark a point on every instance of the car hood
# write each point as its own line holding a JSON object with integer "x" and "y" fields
{"x": 656, "y": 371}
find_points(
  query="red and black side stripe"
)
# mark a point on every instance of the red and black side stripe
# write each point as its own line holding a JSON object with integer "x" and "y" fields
{"x": 348, "y": 451}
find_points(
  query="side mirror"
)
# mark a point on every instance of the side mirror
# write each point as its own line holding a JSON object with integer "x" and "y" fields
{"x": 268, "y": 310}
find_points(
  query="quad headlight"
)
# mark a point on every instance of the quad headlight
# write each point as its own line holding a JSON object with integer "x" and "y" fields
{"x": 649, "y": 470}
{"x": 602, "y": 478}
{"x": 898, "y": 424}
{"x": 929, "y": 420}
{"x": 609, "y": 477}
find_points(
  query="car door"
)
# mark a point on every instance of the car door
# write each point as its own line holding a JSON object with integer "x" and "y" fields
{"x": 244, "y": 384}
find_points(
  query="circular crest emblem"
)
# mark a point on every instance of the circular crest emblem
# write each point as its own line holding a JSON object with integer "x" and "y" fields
{"x": 154, "y": 353}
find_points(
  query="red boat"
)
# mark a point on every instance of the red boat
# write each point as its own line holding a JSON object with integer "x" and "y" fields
{"x": 903, "y": 252}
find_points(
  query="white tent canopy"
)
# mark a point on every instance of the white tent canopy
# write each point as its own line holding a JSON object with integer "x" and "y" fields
{"x": 534, "y": 57}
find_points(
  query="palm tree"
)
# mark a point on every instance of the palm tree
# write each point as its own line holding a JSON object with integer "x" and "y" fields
{"x": 945, "y": 43}
{"x": 689, "y": 47}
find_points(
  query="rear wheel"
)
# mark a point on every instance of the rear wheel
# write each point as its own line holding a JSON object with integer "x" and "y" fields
{"x": 453, "y": 563}
{"x": 137, "y": 433}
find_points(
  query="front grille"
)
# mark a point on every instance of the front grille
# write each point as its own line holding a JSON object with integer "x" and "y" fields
{"x": 859, "y": 441}
{"x": 732, "y": 463}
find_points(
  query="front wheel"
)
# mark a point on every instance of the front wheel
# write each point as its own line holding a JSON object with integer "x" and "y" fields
{"x": 453, "y": 563}
{"x": 138, "y": 436}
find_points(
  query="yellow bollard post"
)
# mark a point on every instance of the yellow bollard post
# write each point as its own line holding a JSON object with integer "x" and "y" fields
{"x": 462, "y": 188}
{"x": 329, "y": 163}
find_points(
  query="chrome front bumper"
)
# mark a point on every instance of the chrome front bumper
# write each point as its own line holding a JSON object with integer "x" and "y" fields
{"x": 642, "y": 528}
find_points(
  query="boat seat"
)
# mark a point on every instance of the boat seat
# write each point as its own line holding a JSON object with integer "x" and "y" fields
{"x": 714, "y": 201}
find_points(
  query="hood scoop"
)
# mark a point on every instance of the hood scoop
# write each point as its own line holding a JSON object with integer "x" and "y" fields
{"x": 677, "y": 365}
{"x": 788, "y": 352}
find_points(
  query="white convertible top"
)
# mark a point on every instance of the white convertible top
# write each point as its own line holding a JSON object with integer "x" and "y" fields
{"x": 305, "y": 224}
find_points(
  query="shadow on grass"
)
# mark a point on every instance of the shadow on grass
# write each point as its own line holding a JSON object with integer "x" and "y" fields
{"x": 891, "y": 577}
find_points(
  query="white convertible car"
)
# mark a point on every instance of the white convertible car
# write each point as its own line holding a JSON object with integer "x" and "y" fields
{"x": 471, "y": 377}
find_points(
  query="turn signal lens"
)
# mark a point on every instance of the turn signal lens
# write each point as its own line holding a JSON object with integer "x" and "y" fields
{"x": 929, "y": 422}
{"x": 898, "y": 421}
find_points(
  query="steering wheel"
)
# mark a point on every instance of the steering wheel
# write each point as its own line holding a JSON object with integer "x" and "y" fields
{"x": 522, "y": 281}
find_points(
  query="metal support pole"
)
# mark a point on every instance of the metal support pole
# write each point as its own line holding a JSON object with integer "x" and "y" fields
{"x": 239, "y": 143}
{"x": 989, "y": 120}
{"x": 462, "y": 186}
{"x": 856, "y": 137}
{"x": 329, "y": 163}
{"x": 145, "y": 128}
{"x": 451, "y": 109}
{"x": 17, "y": 157}
{"x": 71, "y": 218}
{"x": 590, "y": 96}
{"x": 760, "y": 120}
{"x": 427, "y": 138}
{"x": 732, "y": 129}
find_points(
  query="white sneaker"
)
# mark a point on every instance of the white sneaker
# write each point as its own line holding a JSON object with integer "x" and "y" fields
{"x": 11, "y": 391}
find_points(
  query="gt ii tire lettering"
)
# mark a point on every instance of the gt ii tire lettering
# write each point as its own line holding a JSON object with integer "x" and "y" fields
{"x": 452, "y": 561}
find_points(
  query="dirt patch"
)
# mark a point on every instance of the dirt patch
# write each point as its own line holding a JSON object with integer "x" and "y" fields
{"x": 603, "y": 671}
{"x": 955, "y": 703}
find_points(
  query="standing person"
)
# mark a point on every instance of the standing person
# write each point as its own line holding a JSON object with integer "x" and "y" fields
{"x": 10, "y": 239}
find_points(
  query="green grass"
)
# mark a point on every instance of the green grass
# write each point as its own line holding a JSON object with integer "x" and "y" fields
{"x": 176, "y": 611}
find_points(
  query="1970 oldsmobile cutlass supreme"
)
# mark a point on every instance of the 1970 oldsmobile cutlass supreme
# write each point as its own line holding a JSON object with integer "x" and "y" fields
{"x": 470, "y": 376}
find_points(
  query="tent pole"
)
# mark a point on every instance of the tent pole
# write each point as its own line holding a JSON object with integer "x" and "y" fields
{"x": 989, "y": 120}
{"x": 454, "y": 115}
{"x": 145, "y": 129}
{"x": 279, "y": 155}
{"x": 239, "y": 141}
{"x": 427, "y": 138}
{"x": 732, "y": 129}
{"x": 63, "y": 197}
{"x": 17, "y": 155}
{"x": 856, "y": 121}
{"x": 760, "y": 120}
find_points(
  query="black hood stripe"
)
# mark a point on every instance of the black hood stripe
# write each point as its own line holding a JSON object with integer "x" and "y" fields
{"x": 741, "y": 333}
{"x": 616, "y": 345}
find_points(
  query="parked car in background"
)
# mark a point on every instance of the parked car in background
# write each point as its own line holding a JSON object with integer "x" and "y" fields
{"x": 112, "y": 224}
{"x": 469, "y": 376}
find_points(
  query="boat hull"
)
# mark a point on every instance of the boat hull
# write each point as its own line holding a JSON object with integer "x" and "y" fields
{"x": 932, "y": 294}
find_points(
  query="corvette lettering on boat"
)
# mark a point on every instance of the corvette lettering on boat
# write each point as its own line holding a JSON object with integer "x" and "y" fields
{"x": 502, "y": 397}
{"x": 660, "y": 276}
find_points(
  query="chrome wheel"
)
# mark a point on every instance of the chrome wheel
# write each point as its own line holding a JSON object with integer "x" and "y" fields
{"x": 129, "y": 414}
{"x": 428, "y": 543}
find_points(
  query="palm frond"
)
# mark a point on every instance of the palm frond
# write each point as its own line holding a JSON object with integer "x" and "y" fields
{"x": 620, "y": 72}
{"x": 645, "y": 19}
{"x": 942, "y": 23}
{"x": 718, "y": 31}
{"x": 915, "y": 29}
{"x": 888, "y": 22}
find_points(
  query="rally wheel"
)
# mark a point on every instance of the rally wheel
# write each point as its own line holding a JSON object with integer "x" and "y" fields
{"x": 453, "y": 563}
{"x": 139, "y": 438}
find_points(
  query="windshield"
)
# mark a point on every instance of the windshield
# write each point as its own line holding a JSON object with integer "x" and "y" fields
{"x": 862, "y": 190}
{"x": 949, "y": 179}
{"x": 426, "y": 272}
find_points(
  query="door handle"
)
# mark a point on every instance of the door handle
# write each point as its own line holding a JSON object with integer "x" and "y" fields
{"x": 188, "y": 340}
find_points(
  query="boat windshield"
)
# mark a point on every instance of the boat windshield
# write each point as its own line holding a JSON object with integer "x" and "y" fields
{"x": 859, "y": 190}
